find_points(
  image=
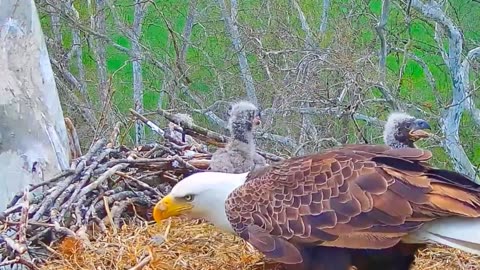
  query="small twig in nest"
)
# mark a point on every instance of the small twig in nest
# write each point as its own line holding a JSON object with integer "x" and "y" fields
{"x": 50, "y": 199}
{"x": 20, "y": 260}
{"x": 113, "y": 141}
{"x": 19, "y": 248}
{"x": 92, "y": 186}
{"x": 55, "y": 178}
{"x": 22, "y": 227}
{"x": 138, "y": 182}
{"x": 142, "y": 263}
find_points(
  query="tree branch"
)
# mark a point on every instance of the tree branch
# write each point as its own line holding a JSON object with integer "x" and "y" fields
{"x": 451, "y": 116}
{"x": 309, "y": 44}
{"x": 232, "y": 30}
{"x": 323, "y": 24}
{"x": 139, "y": 14}
{"x": 380, "y": 28}
{"x": 469, "y": 103}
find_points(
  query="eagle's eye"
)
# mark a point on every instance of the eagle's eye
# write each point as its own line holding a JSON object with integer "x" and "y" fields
{"x": 188, "y": 198}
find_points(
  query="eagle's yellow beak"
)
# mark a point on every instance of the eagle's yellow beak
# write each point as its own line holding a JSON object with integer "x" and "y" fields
{"x": 170, "y": 207}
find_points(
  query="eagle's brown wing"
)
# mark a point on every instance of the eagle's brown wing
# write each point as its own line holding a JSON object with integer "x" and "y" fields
{"x": 357, "y": 196}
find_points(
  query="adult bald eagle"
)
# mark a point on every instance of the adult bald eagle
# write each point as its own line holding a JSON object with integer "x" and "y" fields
{"x": 353, "y": 197}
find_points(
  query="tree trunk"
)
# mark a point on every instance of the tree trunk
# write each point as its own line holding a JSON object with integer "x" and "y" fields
{"x": 139, "y": 13}
{"x": 33, "y": 138}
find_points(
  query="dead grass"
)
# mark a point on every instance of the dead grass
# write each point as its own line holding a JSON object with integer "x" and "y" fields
{"x": 442, "y": 258}
{"x": 183, "y": 244}
{"x": 180, "y": 244}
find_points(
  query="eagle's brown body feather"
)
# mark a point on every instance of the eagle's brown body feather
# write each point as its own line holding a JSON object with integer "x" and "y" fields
{"x": 357, "y": 196}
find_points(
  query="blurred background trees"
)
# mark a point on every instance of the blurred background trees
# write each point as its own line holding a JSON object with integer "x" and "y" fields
{"x": 324, "y": 72}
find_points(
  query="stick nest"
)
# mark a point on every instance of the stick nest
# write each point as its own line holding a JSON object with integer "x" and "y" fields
{"x": 97, "y": 215}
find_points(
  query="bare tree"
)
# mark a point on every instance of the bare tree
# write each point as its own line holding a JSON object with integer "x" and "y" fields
{"x": 309, "y": 43}
{"x": 99, "y": 24}
{"x": 304, "y": 91}
{"x": 33, "y": 138}
{"x": 380, "y": 28}
{"x": 459, "y": 73}
{"x": 324, "y": 22}
{"x": 382, "y": 57}
{"x": 232, "y": 29}
{"x": 139, "y": 14}
{"x": 78, "y": 53}
{"x": 187, "y": 32}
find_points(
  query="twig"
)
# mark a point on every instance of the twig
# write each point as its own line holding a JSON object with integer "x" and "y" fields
{"x": 19, "y": 248}
{"x": 53, "y": 179}
{"x": 22, "y": 227}
{"x": 59, "y": 189}
{"x": 138, "y": 182}
{"x": 20, "y": 260}
{"x": 102, "y": 178}
{"x": 113, "y": 141}
{"x": 359, "y": 130}
{"x": 148, "y": 122}
{"x": 109, "y": 215}
{"x": 191, "y": 128}
{"x": 83, "y": 181}
{"x": 142, "y": 263}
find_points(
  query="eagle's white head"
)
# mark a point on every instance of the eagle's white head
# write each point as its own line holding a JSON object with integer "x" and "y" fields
{"x": 201, "y": 195}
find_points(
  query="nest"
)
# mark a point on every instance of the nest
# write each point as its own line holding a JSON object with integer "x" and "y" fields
{"x": 97, "y": 215}
{"x": 175, "y": 244}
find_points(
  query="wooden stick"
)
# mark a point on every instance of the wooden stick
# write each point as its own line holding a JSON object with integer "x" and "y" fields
{"x": 194, "y": 130}
{"x": 147, "y": 122}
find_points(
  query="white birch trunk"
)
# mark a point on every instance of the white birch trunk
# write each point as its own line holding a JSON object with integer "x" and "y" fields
{"x": 32, "y": 128}
{"x": 137, "y": 69}
{"x": 232, "y": 29}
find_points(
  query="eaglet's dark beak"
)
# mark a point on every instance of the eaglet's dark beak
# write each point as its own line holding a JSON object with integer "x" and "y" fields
{"x": 417, "y": 131}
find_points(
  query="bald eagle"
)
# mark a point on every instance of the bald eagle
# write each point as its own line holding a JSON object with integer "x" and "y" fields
{"x": 353, "y": 197}
{"x": 400, "y": 131}
{"x": 239, "y": 155}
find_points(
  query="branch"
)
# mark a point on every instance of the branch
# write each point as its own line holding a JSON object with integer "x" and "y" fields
{"x": 305, "y": 27}
{"x": 139, "y": 14}
{"x": 232, "y": 30}
{"x": 429, "y": 76}
{"x": 77, "y": 51}
{"x": 217, "y": 139}
{"x": 451, "y": 116}
{"x": 323, "y": 24}
{"x": 187, "y": 32}
{"x": 99, "y": 50}
{"x": 147, "y": 122}
{"x": 469, "y": 102}
{"x": 192, "y": 129}
{"x": 380, "y": 28}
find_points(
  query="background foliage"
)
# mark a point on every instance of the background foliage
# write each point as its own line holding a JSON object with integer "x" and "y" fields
{"x": 314, "y": 86}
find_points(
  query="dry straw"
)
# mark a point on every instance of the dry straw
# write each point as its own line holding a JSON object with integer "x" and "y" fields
{"x": 184, "y": 244}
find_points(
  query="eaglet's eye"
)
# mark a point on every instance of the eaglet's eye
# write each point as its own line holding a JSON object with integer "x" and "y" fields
{"x": 188, "y": 198}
